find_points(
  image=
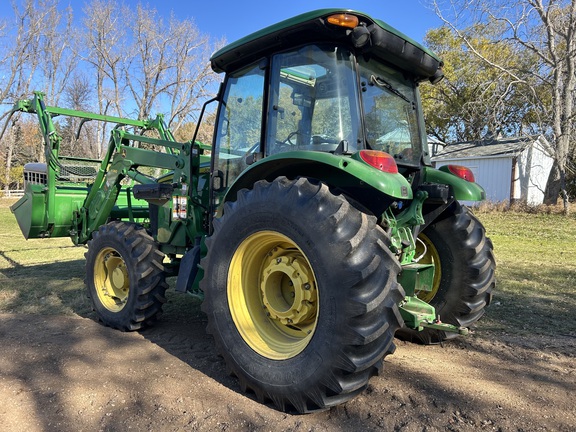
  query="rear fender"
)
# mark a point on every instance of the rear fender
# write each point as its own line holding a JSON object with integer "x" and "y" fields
{"x": 336, "y": 170}
{"x": 462, "y": 189}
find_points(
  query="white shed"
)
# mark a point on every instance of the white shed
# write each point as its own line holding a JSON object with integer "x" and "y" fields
{"x": 509, "y": 169}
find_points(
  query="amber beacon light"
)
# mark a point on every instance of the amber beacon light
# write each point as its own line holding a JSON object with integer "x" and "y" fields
{"x": 343, "y": 20}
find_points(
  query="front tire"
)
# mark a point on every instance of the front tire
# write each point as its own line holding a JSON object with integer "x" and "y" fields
{"x": 301, "y": 294}
{"x": 125, "y": 276}
{"x": 464, "y": 277}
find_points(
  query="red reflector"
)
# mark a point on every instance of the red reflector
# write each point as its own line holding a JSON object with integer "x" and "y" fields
{"x": 379, "y": 160}
{"x": 462, "y": 172}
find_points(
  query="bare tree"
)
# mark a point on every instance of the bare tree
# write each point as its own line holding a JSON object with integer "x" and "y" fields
{"x": 103, "y": 43}
{"x": 136, "y": 61}
{"x": 145, "y": 65}
{"x": 192, "y": 75}
{"x": 79, "y": 137}
{"x": 548, "y": 31}
{"x": 58, "y": 60}
{"x": 21, "y": 48}
{"x": 171, "y": 67}
{"x": 20, "y": 62}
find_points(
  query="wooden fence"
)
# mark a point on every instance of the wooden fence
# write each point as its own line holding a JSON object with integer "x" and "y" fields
{"x": 16, "y": 193}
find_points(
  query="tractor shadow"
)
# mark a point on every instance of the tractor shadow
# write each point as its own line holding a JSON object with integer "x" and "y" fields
{"x": 57, "y": 288}
{"x": 181, "y": 332}
{"x": 44, "y": 288}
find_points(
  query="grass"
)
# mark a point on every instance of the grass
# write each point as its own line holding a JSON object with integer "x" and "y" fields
{"x": 536, "y": 272}
{"x": 535, "y": 293}
{"x": 46, "y": 276}
{"x": 39, "y": 275}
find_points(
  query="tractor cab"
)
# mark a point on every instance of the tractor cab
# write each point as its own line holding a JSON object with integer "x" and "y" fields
{"x": 350, "y": 84}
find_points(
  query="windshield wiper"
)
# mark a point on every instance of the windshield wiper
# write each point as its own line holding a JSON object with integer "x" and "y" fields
{"x": 382, "y": 83}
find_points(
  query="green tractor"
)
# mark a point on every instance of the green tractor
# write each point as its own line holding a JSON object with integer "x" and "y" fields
{"x": 313, "y": 227}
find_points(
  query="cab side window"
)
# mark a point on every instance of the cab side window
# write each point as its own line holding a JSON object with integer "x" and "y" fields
{"x": 239, "y": 123}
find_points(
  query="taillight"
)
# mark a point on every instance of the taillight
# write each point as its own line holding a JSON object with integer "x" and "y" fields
{"x": 379, "y": 160}
{"x": 462, "y": 172}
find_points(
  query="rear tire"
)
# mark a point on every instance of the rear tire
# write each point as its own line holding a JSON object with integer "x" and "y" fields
{"x": 301, "y": 294}
{"x": 462, "y": 288}
{"x": 125, "y": 276}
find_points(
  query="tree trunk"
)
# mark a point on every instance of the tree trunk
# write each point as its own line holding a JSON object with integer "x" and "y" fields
{"x": 564, "y": 192}
{"x": 552, "y": 191}
{"x": 9, "y": 154}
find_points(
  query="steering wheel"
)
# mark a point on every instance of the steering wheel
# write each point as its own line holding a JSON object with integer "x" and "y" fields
{"x": 288, "y": 141}
{"x": 244, "y": 153}
{"x": 287, "y": 144}
{"x": 319, "y": 139}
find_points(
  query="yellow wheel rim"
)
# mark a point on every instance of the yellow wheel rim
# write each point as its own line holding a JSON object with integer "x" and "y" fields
{"x": 111, "y": 279}
{"x": 273, "y": 295}
{"x": 431, "y": 256}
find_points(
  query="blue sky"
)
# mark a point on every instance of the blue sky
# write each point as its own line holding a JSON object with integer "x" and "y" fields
{"x": 235, "y": 19}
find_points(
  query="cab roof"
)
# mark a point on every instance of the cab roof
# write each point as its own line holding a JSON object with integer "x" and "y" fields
{"x": 385, "y": 42}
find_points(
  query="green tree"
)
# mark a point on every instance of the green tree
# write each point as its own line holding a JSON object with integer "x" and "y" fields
{"x": 476, "y": 100}
{"x": 546, "y": 30}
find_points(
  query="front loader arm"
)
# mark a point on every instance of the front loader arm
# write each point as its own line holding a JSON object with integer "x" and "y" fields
{"x": 121, "y": 161}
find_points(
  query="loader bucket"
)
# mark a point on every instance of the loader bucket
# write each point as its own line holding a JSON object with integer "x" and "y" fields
{"x": 32, "y": 213}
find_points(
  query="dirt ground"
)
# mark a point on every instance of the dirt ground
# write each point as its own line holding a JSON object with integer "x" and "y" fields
{"x": 61, "y": 373}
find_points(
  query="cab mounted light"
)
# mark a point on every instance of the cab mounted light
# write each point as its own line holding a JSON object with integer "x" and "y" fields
{"x": 357, "y": 31}
{"x": 380, "y": 160}
{"x": 360, "y": 36}
{"x": 437, "y": 77}
{"x": 343, "y": 20}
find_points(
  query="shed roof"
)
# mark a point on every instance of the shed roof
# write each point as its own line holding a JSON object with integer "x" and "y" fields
{"x": 505, "y": 147}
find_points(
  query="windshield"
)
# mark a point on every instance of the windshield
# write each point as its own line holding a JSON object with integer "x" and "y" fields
{"x": 313, "y": 101}
{"x": 391, "y": 120}
{"x": 314, "y": 105}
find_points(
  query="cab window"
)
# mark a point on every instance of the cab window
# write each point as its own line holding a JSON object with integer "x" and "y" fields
{"x": 239, "y": 126}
